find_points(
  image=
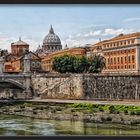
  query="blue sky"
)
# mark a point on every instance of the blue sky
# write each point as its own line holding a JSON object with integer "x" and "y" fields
{"x": 76, "y": 25}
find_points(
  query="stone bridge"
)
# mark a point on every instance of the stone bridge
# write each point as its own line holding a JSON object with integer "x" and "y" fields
{"x": 18, "y": 81}
{"x": 17, "y": 85}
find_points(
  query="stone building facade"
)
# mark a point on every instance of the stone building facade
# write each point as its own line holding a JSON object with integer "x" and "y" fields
{"x": 122, "y": 53}
{"x": 47, "y": 60}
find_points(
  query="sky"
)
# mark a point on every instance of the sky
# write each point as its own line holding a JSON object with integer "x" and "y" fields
{"x": 76, "y": 25}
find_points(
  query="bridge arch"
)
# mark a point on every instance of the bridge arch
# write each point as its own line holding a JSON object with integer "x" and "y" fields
{"x": 12, "y": 83}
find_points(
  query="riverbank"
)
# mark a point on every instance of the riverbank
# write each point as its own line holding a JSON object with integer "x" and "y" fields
{"x": 87, "y": 112}
{"x": 98, "y": 102}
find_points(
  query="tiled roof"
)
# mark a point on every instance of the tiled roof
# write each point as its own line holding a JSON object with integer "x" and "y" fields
{"x": 117, "y": 38}
{"x": 20, "y": 42}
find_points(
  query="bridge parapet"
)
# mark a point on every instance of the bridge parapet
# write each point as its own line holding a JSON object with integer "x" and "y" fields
{"x": 21, "y": 81}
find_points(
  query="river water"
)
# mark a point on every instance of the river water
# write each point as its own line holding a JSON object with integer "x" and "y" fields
{"x": 16, "y": 125}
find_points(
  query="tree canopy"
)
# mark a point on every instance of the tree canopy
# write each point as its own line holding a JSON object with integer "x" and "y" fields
{"x": 74, "y": 64}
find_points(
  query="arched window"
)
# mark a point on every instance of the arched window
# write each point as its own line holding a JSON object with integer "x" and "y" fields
{"x": 38, "y": 64}
{"x": 33, "y": 64}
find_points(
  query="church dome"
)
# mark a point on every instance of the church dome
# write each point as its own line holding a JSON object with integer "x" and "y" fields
{"x": 51, "y": 38}
{"x": 20, "y": 42}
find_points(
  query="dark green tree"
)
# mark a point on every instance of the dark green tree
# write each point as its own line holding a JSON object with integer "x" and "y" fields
{"x": 64, "y": 64}
{"x": 74, "y": 64}
{"x": 97, "y": 63}
{"x": 81, "y": 64}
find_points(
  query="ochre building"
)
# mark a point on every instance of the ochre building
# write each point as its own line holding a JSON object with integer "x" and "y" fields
{"x": 47, "y": 60}
{"x": 122, "y": 53}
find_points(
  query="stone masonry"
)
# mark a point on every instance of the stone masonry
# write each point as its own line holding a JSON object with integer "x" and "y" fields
{"x": 87, "y": 86}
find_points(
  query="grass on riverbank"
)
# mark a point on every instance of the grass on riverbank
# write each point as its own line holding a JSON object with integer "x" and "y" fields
{"x": 87, "y": 107}
{"x": 113, "y": 109}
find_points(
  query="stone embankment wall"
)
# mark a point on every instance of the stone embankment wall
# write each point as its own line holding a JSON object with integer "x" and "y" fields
{"x": 60, "y": 86}
{"x": 87, "y": 86}
{"x": 111, "y": 86}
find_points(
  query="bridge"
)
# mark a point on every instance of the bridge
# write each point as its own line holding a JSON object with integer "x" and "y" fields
{"x": 16, "y": 84}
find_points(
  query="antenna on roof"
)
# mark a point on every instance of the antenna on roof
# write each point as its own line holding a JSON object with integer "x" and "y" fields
{"x": 19, "y": 38}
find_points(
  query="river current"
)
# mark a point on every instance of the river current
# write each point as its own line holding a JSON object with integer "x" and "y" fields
{"x": 16, "y": 125}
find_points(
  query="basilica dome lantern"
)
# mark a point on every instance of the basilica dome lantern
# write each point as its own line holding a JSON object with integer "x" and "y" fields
{"x": 51, "y": 42}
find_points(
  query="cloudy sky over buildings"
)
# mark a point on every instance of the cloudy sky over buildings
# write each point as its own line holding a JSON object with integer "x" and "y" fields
{"x": 76, "y": 25}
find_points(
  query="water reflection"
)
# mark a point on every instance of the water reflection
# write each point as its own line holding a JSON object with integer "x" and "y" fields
{"x": 15, "y": 125}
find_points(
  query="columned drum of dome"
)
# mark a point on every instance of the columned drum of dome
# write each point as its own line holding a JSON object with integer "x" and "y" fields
{"x": 51, "y": 42}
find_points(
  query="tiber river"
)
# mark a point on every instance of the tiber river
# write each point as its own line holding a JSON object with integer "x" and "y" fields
{"x": 16, "y": 125}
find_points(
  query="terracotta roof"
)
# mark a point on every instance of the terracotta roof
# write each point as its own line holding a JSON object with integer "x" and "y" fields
{"x": 20, "y": 42}
{"x": 117, "y": 38}
{"x": 121, "y": 37}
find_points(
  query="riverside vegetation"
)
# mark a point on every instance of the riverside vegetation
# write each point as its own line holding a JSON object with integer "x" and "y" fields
{"x": 87, "y": 112}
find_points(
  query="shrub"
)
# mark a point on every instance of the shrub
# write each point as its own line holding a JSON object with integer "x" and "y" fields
{"x": 109, "y": 119}
{"x": 125, "y": 111}
{"x": 132, "y": 113}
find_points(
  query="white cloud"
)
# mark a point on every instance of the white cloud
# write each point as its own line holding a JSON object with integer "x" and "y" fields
{"x": 113, "y": 31}
{"x": 71, "y": 42}
{"x": 93, "y": 33}
{"x": 132, "y": 19}
{"x": 116, "y": 31}
{"x": 93, "y": 36}
{"x": 92, "y": 26}
{"x": 5, "y": 42}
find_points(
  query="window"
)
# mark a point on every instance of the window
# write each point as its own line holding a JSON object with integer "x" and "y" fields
{"x": 114, "y": 60}
{"x": 38, "y": 64}
{"x": 124, "y": 51}
{"x": 111, "y": 60}
{"x": 118, "y": 67}
{"x": 133, "y": 41}
{"x": 121, "y": 67}
{"x": 121, "y": 60}
{"x": 125, "y": 67}
{"x": 125, "y": 59}
{"x": 117, "y": 44}
{"x": 133, "y": 66}
{"x": 128, "y": 42}
{"x": 129, "y": 67}
{"x": 124, "y": 42}
{"x": 118, "y": 59}
{"x": 133, "y": 58}
{"x": 33, "y": 64}
{"x": 121, "y": 43}
{"x": 129, "y": 59}
{"x": 132, "y": 50}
